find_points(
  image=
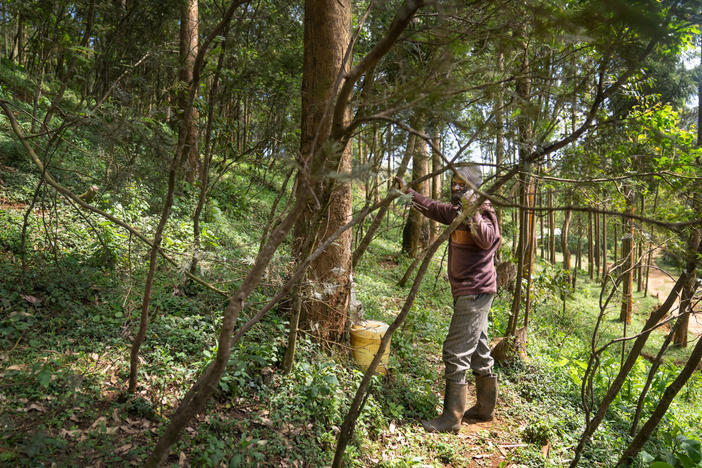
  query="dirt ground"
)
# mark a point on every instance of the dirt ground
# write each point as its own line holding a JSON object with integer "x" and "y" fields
{"x": 659, "y": 285}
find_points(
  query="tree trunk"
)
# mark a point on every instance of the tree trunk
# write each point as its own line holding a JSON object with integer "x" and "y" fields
{"x": 327, "y": 286}
{"x": 436, "y": 184}
{"x": 531, "y": 249}
{"x": 188, "y": 52}
{"x": 378, "y": 219}
{"x": 628, "y": 261}
{"x": 205, "y": 172}
{"x": 681, "y": 330}
{"x": 524, "y": 135}
{"x": 551, "y": 229}
{"x": 499, "y": 123}
{"x": 650, "y": 244}
{"x": 565, "y": 231}
{"x": 187, "y": 130}
{"x": 520, "y": 253}
{"x": 604, "y": 245}
{"x": 579, "y": 252}
{"x": 415, "y": 234}
{"x": 590, "y": 268}
{"x": 542, "y": 244}
{"x": 596, "y": 248}
{"x": 615, "y": 247}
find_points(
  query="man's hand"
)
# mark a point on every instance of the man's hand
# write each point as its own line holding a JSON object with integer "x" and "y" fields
{"x": 401, "y": 185}
{"x": 469, "y": 198}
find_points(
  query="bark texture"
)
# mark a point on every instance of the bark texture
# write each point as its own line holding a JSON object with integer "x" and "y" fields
{"x": 327, "y": 287}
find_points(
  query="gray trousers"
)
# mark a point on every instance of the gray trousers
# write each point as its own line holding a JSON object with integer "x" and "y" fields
{"x": 466, "y": 345}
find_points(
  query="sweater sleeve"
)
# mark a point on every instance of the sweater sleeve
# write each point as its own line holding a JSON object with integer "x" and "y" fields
{"x": 484, "y": 228}
{"x": 442, "y": 212}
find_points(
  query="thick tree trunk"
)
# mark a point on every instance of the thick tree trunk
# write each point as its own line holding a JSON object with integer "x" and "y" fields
{"x": 327, "y": 286}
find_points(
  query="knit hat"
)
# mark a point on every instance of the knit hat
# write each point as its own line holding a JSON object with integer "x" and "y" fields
{"x": 471, "y": 172}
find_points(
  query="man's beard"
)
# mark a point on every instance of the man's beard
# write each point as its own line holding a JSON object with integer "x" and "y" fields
{"x": 457, "y": 195}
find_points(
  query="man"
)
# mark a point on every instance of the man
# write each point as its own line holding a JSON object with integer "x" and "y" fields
{"x": 473, "y": 279}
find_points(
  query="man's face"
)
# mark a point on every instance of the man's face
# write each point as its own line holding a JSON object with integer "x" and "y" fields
{"x": 458, "y": 189}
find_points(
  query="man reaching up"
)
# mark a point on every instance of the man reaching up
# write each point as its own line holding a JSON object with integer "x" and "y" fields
{"x": 471, "y": 272}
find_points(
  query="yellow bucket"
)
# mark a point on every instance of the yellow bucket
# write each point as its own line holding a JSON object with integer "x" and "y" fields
{"x": 365, "y": 342}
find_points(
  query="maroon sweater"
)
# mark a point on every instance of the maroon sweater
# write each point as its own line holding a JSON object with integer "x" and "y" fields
{"x": 472, "y": 246}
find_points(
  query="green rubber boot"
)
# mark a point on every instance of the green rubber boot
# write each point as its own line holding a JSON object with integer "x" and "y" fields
{"x": 486, "y": 397}
{"x": 454, "y": 406}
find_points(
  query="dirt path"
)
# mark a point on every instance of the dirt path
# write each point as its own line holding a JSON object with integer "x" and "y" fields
{"x": 660, "y": 284}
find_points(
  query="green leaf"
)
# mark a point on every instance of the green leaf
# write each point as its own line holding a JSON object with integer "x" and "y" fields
{"x": 660, "y": 464}
{"x": 44, "y": 378}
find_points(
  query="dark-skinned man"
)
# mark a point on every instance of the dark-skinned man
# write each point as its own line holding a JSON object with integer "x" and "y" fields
{"x": 471, "y": 273}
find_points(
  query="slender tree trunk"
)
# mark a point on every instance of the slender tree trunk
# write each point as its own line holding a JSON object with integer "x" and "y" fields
{"x": 520, "y": 253}
{"x": 590, "y": 263}
{"x": 578, "y": 254}
{"x": 524, "y": 135}
{"x": 615, "y": 248}
{"x": 650, "y": 244}
{"x": 187, "y": 131}
{"x": 378, "y": 218}
{"x": 436, "y": 184}
{"x": 531, "y": 249}
{"x": 183, "y": 129}
{"x": 596, "y": 253}
{"x": 415, "y": 234}
{"x": 500, "y": 124}
{"x": 682, "y": 328}
{"x": 551, "y": 229}
{"x": 188, "y": 52}
{"x": 649, "y": 380}
{"x": 628, "y": 261}
{"x": 205, "y": 172}
{"x": 604, "y": 245}
{"x": 541, "y": 228}
{"x": 565, "y": 232}
{"x": 516, "y": 220}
